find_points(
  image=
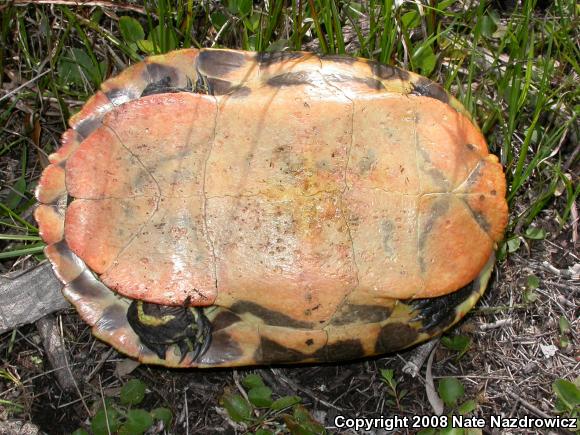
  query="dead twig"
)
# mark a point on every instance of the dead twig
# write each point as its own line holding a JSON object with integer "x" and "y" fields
{"x": 537, "y": 411}
{"x": 305, "y": 390}
{"x": 79, "y": 3}
{"x": 432, "y": 396}
{"x": 497, "y": 324}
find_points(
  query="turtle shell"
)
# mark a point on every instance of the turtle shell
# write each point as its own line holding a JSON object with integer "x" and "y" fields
{"x": 317, "y": 208}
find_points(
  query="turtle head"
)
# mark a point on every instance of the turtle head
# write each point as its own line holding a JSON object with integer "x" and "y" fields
{"x": 161, "y": 326}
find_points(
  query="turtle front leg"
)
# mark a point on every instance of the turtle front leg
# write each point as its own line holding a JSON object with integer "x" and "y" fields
{"x": 160, "y": 326}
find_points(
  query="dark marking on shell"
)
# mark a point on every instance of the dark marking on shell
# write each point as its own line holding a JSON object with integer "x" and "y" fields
{"x": 159, "y": 87}
{"x": 123, "y": 95}
{"x": 439, "y": 178}
{"x": 219, "y": 87}
{"x": 475, "y": 174}
{"x": 387, "y": 230}
{"x": 213, "y": 86}
{"x": 479, "y": 217}
{"x": 386, "y": 72}
{"x": 222, "y": 350}
{"x": 350, "y": 314}
{"x": 218, "y": 63}
{"x": 114, "y": 318}
{"x": 88, "y": 125}
{"x": 438, "y": 209}
{"x": 165, "y": 86}
{"x": 339, "y": 59}
{"x": 270, "y": 317}
{"x": 273, "y": 352}
{"x": 367, "y": 162}
{"x": 163, "y": 73}
{"x": 427, "y": 88}
{"x": 439, "y": 312}
{"x": 436, "y": 175}
{"x": 240, "y": 92}
{"x": 290, "y": 79}
{"x": 224, "y": 319}
{"x": 395, "y": 336}
{"x": 370, "y": 82}
{"x": 268, "y": 58}
{"x": 341, "y": 350}
{"x": 86, "y": 286}
{"x": 71, "y": 258}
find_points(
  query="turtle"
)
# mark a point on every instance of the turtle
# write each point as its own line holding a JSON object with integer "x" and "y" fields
{"x": 216, "y": 207}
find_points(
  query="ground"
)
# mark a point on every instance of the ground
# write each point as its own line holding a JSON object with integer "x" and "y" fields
{"x": 523, "y": 332}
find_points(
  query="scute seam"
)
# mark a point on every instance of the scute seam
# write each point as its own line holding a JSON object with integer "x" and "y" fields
{"x": 205, "y": 197}
{"x": 341, "y": 197}
{"x": 417, "y": 214}
{"x": 155, "y": 210}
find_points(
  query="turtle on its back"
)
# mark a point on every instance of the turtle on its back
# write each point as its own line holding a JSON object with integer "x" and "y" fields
{"x": 226, "y": 208}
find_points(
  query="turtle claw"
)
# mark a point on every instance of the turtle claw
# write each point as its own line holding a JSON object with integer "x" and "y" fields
{"x": 200, "y": 343}
{"x": 160, "y": 326}
{"x": 432, "y": 312}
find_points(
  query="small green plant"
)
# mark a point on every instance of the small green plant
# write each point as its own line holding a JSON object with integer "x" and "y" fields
{"x": 263, "y": 415}
{"x": 568, "y": 397}
{"x": 458, "y": 343}
{"x": 565, "y": 330}
{"x": 532, "y": 283}
{"x": 451, "y": 390}
{"x": 397, "y": 395}
{"x": 120, "y": 417}
{"x": 12, "y": 378}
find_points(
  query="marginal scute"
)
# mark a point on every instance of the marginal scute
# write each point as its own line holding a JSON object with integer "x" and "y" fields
{"x": 85, "y": 127}
{"x": 218, "y": 63}
{"x": 88, "y": 287}
{"x": 224, "y": 319}
{"x": 89, "y": 117}
{"x": 341, "y": 350}
{"x": 272, "y": 352}
{"x": 114, "y": 317}
{"x": 350, "y": 314}
{"x": 395, "y": 336}
{"x": 70, "y": 141}
{"x": 50, "y": 223}
{"x": 164, "y": 78}
{"x": 292, "y": 79}
{"x": 224, "y": 350}
{"x": 67, "y": 265}
{"x": 427, "y": 88}
{"x": 268, "y": 58}
{"x": 347, "y": 60}
{"x": 51, "y": 186}
{"x": 386, "y": 72}
{"x": 219, "y": 87}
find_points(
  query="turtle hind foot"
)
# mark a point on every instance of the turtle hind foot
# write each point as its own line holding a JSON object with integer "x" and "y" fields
{"x": 439, "y": 312}
{"x": 161, "y": 326}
